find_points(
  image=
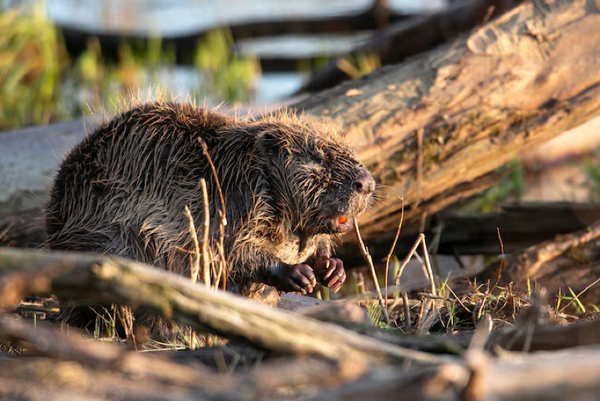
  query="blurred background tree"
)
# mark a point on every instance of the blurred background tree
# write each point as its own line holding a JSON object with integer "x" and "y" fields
{"x": 62, "y": 59}
{"x": 41, "y": 82}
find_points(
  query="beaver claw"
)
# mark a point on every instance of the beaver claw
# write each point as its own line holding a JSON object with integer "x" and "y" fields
{"x": 297, "y": 278}
{"x": 301, "y": 278}
{"x": 331, "y": 273}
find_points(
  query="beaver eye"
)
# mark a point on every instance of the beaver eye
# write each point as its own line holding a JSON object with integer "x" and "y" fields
{"x": 319, "y": 160}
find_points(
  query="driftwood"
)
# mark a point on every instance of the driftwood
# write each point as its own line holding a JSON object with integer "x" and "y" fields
{"x": 93, "y": 370}
{"x": 521, "y": 225}
{"x": 527, "y": 378}
{"x": 30, "y": 159}
{"x": 97, "y": 279}
{"x": 566, "y": 265}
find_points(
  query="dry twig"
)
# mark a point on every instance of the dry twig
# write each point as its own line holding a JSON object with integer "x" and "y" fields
{"x": 407, "y": 323}
{"x": 222, "y": 273}
{"x": 428, "y": 265}
{"x": 206, "y": 265}
{"x": 429, "y": 273}
{"x": 387, "y": 259}
{"x": 369, "y": 261}
{"x": 194, "y": 256}
{"x": 576, "y": 297}
{"x": 406, "y": 260}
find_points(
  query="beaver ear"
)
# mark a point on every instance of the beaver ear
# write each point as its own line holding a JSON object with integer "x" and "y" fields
{"x": 269, "y": 143}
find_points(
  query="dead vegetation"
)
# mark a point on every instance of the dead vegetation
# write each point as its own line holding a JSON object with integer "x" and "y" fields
{"x": 456, "y": 338}
{"x": 434, "y": 353}
{"x": 524, "y": 326}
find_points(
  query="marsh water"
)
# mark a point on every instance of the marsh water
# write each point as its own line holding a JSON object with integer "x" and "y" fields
{"x": 176, "y": 17}
{"x": 179, "y": 17}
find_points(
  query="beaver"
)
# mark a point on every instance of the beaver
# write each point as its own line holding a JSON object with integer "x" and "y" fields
{"x": 290, "y": 185}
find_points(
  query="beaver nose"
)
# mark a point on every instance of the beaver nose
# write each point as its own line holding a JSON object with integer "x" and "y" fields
{"x": 364, "y": 183}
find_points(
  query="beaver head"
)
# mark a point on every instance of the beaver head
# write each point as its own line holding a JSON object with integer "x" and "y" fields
{"x": 315, "y": 182}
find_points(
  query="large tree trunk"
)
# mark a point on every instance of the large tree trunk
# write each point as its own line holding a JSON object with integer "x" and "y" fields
{"x": 29, "y": 160}
{"x": 476, "y": 103}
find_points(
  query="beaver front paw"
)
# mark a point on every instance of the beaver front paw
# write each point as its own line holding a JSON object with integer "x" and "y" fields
{"x": 297, "y": 278}
{"x": 330, "y": 272}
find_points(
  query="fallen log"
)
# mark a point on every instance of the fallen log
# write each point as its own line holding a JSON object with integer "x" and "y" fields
{"x": 524, "y": 378}
{"x": 30, "y": 159}
{"x": 95, "y": 279}
{"x": 565, "y": 266}
{"x": 116, "y": 371}
{"x": 455, "y": 114}
{"x": 55, "y": 364}
{"x": 531, "y": 377}
{"x": 548, "y": 338}
{"x": 106, "y": 370}
{"x": 521, "y": 225}
{"x": 527, "y": 263}
{"x": 52, "y": 341}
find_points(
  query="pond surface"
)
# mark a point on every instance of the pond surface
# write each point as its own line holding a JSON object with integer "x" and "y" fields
{"x": 179, "y": 17}
{"x": 172, "y": 18}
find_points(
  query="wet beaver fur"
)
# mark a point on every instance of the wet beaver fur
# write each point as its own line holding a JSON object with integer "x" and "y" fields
{"x": 290, "y": 185}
